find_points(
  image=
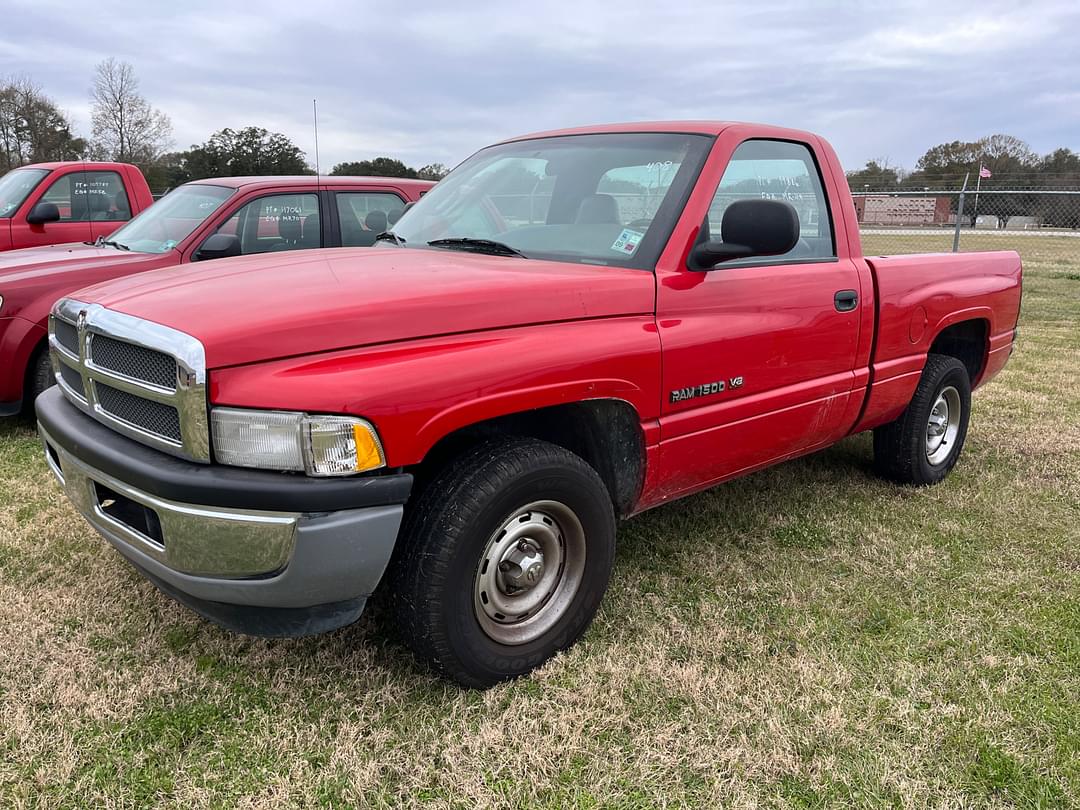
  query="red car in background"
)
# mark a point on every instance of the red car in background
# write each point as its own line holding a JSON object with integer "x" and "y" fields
{"x": 72, "y": 201}
{"x": 205, "y": 219}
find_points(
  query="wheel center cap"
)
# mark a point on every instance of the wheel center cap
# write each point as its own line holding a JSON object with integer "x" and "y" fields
{"x": 521, "y": 567}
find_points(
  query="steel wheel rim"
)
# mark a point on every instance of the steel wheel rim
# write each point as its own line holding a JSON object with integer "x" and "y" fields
{"x": 943, "y": 425}
{"x": 512, "y": 607}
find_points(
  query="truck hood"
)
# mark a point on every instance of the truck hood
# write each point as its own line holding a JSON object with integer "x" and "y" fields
{"x": 257, "y": 308}
{"x": 33, "y": 263}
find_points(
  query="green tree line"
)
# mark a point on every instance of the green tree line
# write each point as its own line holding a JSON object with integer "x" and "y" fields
{"x": 1012, "y": 164}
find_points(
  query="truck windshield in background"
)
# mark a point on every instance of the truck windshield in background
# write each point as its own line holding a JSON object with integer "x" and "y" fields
{"x": 606, "y": 198}
{"x": 166, "y": 223}
{"x": 15, "y": 186}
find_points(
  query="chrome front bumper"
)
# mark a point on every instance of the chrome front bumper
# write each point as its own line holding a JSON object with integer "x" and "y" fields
{"x": 258, "y": 552}
{"x": 261, "y": 573}
{"x": 186, "y": 538}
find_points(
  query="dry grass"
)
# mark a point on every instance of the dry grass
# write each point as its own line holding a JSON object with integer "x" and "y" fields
{"x": 806, "y": 636}
{"x": 1042, "y": 253}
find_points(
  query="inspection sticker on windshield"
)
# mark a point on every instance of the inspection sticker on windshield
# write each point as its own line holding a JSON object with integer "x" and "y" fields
{"x": 627, "y": 242}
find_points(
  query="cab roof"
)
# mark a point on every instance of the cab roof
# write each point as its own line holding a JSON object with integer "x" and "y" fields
{"x": 89, "y": 165}
{"x": 313, "y": 181}
{"x": 684, "y": 127}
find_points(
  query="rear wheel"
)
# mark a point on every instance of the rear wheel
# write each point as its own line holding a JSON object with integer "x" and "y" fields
{"x": 505, "y": 558}
{"x": 924, "y": 443}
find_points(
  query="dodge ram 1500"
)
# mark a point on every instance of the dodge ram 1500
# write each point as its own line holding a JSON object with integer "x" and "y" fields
{"x": 571, "y": 328}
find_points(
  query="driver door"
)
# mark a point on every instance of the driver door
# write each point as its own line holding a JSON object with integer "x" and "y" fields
{"x": 70, "y": 193}
{"x": 759, "y": 354}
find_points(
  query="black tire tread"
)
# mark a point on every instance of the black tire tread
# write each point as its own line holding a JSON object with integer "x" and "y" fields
{"x": 39, "y": 377}
{"x": 443, "y": 509}
{"x": 897, "y": 444}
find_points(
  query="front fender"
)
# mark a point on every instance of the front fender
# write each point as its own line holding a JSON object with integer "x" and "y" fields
{"x": 18, "y": 340}
{"x": 417, "y": 392}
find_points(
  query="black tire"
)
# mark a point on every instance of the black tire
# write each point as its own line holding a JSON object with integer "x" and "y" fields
{"x": 38, "y": 377}
{"x": 434, "y": 578}
{"x": 900, "y": 447}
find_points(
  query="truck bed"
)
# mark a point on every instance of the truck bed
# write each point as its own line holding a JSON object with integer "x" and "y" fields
{"x": 918, "y": 297}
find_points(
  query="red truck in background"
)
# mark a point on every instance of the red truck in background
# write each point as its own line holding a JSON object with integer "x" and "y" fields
{"x": 572, "y": 327}
{"x": 204, "y": 219}
{"x": 72, "y": 201}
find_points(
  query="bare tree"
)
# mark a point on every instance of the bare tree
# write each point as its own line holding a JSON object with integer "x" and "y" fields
{"x": 125, "y": 126}
{"x": 32, "y": 127}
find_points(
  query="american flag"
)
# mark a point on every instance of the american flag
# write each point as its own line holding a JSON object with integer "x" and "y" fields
{"x": 984, "y": 172}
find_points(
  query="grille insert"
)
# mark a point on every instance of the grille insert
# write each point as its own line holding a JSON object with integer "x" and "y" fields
{"x": 73, "y": 379}
{"x": 142, "y": 379}
{"x": 66, "y": 335}
{"x": 134, "y": 361}
{"x": 145, "y": 414}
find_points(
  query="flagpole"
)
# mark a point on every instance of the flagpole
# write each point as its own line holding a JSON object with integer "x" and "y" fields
{"x": 975, "y": 211}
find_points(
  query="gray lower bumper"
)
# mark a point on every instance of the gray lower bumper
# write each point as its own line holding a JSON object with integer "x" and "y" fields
{"x": 211, "y": 558}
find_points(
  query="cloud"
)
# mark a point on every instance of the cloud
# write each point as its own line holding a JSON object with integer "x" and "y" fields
{"x": 429, "y": 82}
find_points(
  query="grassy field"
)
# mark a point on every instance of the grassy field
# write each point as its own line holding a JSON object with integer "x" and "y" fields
{"x": 807, "y": 636}
{"x": 1052, "y": 254}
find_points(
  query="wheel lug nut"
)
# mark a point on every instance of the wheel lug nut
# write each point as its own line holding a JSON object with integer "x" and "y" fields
{"x": 523, "y": 547}
{"x": 504, "y": 567}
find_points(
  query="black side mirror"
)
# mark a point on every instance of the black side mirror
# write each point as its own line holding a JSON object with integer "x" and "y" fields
{"x": 43, "y": 212}
{"x": 218, "y": 246}
{"x": 754, "y": 227}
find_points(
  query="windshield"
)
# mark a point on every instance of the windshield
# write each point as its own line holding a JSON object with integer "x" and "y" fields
{"x": 170, "y": 220}
{"x": 15, "y": 186}
{"x": 609, "y": 199}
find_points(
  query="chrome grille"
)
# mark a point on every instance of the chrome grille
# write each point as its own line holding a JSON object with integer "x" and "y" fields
{"x": 133, "y": 361}
{"x": 73, "y": 378}
{"x": 153, "y": 417}
{"x": 68, "y": 336}
{"x": 142, "y": 379}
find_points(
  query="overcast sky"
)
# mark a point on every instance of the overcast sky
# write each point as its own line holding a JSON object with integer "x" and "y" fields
{"x": 432, "y": 83}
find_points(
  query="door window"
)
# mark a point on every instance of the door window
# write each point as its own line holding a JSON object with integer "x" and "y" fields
{"x": 276, "y": 222}
{"x": 89, "y": 197}
{"x": 778, "y": 170}
{"x": 363, "y": 216}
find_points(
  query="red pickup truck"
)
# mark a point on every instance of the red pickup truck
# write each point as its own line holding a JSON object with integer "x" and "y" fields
{"x": 572, "y": 327}
{"x": 205, "y": 219}
{"x": 72, "y": 201}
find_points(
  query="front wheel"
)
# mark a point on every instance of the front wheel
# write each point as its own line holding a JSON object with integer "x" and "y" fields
{"x": 923, "y": 444}
{"x": 505, "y": 558}
{"x": 38, "y": 378}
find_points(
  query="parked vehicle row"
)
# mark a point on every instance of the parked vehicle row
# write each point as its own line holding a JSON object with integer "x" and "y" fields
{"x": 569, "y": 329}
{"x": 205, "y": 219}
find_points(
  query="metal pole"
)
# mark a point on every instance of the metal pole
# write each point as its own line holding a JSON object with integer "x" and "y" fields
{"x": 978, "y": 185}
{"x": 959, "y": 217}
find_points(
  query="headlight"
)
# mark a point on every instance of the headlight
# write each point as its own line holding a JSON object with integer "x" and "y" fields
{"x": 285, "y": 440}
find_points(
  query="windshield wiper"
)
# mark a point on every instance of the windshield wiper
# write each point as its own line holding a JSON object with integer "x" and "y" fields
{"x": 390, "y": 236}
{"x": 488, "y": 246}
{"x": 118, "y": 245}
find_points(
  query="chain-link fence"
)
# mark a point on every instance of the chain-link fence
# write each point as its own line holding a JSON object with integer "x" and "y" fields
{"x": 1042, "y": 225}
